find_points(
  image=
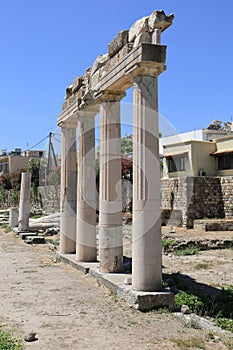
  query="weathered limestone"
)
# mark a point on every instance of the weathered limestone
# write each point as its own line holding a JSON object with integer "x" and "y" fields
{"x": 68, "y": 189}
{"x": 147, "y": 250}
{"x": 110, "y": 196}
{"x": 86, "y": 189}
{"x": 134, "y": 57}
{"x": 118, "y": 42}
{"x": 24, "y": 204}
{"x": 138, "y": 27}
{"x": 13, "y": 217}
{"x": 144, "y": 30}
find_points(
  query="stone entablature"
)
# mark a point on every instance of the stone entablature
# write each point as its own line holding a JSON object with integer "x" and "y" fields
{"x": 132, "y": 53}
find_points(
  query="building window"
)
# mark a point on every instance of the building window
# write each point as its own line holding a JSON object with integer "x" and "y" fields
{"x": 4, "y": 168}
{"x": 176, "y": 163}
{"x": 225, "y": 162}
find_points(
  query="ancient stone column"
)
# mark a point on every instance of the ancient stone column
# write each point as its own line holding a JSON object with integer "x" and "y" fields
{"x": 86, "y": 188}
{"x": 13, "y": 217}
{"x": 68, "y": 190}
{"x": 110, "y": 192}
{"x": 146, "y": 245}
{"x": 24, "y": 203}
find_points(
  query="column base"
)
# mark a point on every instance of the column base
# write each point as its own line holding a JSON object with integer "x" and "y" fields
{"x": 110, "y": 248}
{"x": 67, "y": 245}
{"x": 85, "y": 253}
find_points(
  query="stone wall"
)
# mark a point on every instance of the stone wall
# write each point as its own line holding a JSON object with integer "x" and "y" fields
{"x": 182, "y": 199}
{"x": 50, "y": 197}
{"x": 227, "y": 194}
{"x": 214, "y": 224}
{"x": 197, "y": 197}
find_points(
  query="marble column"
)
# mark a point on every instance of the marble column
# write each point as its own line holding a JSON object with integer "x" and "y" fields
{"x": 13, "y": 217}
{"x": 110, "y": 192}
{"x": 24, "y": 204}
{"x": 86, "y": 189}
{"x": 68, "y": 189}
{"x": 146, "y": 244}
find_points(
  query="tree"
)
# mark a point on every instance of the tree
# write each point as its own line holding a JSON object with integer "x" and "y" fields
{"x": 34, "y": 169}
{"x": 126, "y": 145}
{"x": 5, "y": 182}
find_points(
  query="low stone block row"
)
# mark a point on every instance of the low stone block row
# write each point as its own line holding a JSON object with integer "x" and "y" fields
{"x": 30, "y": 237}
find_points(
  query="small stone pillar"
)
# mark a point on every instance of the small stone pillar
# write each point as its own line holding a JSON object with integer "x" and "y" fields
{"x": 68, "y": 189}
{"x": 13, "y": 217}
{"x": 86, "y": 188}
{"x": 146, "y": 240}
{"x": 156, "y": 36}
{"x": 110, "y": 193}
{"x": 24, "y": 203}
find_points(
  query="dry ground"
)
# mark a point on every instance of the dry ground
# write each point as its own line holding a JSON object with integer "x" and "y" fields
{"x": 70, "y": 311}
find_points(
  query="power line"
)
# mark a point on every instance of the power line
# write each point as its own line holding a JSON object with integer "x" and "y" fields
{"x": 38, "y": 143}
{"x": 56, "y": 139}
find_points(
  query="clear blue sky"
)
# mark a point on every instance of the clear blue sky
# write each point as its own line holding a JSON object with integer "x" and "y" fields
{"x": 45, "y": 44}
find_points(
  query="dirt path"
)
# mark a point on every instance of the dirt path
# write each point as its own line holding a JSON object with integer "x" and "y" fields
{"x": 70, "y": 311}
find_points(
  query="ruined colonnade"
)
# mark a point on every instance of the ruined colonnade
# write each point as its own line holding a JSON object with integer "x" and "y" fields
{"x": 134, "y": 58}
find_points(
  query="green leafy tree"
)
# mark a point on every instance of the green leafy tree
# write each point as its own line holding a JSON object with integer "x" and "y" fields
{"x": 34, "y": 169}
{"x": 126, "y": 145}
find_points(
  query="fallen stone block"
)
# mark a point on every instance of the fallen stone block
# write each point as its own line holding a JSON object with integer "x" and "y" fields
{"x": 35, "y": 240}
{"x": 25, "y": 235}
{"x": 52, "y": 231}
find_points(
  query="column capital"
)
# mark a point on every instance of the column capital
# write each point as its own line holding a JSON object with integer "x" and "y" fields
{"x": 110, "y": 95}
{"x": 71, "y": 123}
{"x": 88, "y": 112}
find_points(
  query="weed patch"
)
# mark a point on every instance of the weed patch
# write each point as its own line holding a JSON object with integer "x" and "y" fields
{"x": 225, "y": 323}
{"x": 167, "y": 243}
{"x": 219, "y": 307}
{"x": 192, "y": 250}
{"x": 6, "y": 228}
{"x": 194, "y": 303}
{"x": 189, "y": 343}
{"x": 8, "y": 341}
{"x": 202, "y": 266}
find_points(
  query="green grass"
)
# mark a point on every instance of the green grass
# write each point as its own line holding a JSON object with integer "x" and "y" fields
{"x": 6, "y": 228}
{"x": 225, "y": 323}
{"x": 220, "y": 307}
{"x": 192, "y": 250}
{"x": 8, "y": 341}
{"x": 167, "y": 243}
{"x": 37, "y": 216}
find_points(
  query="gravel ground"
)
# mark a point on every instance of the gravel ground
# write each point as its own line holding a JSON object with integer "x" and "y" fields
{"x": 70, "y": 311}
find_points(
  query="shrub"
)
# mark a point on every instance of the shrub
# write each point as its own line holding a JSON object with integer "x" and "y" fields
{"x": 194, "y": 303}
